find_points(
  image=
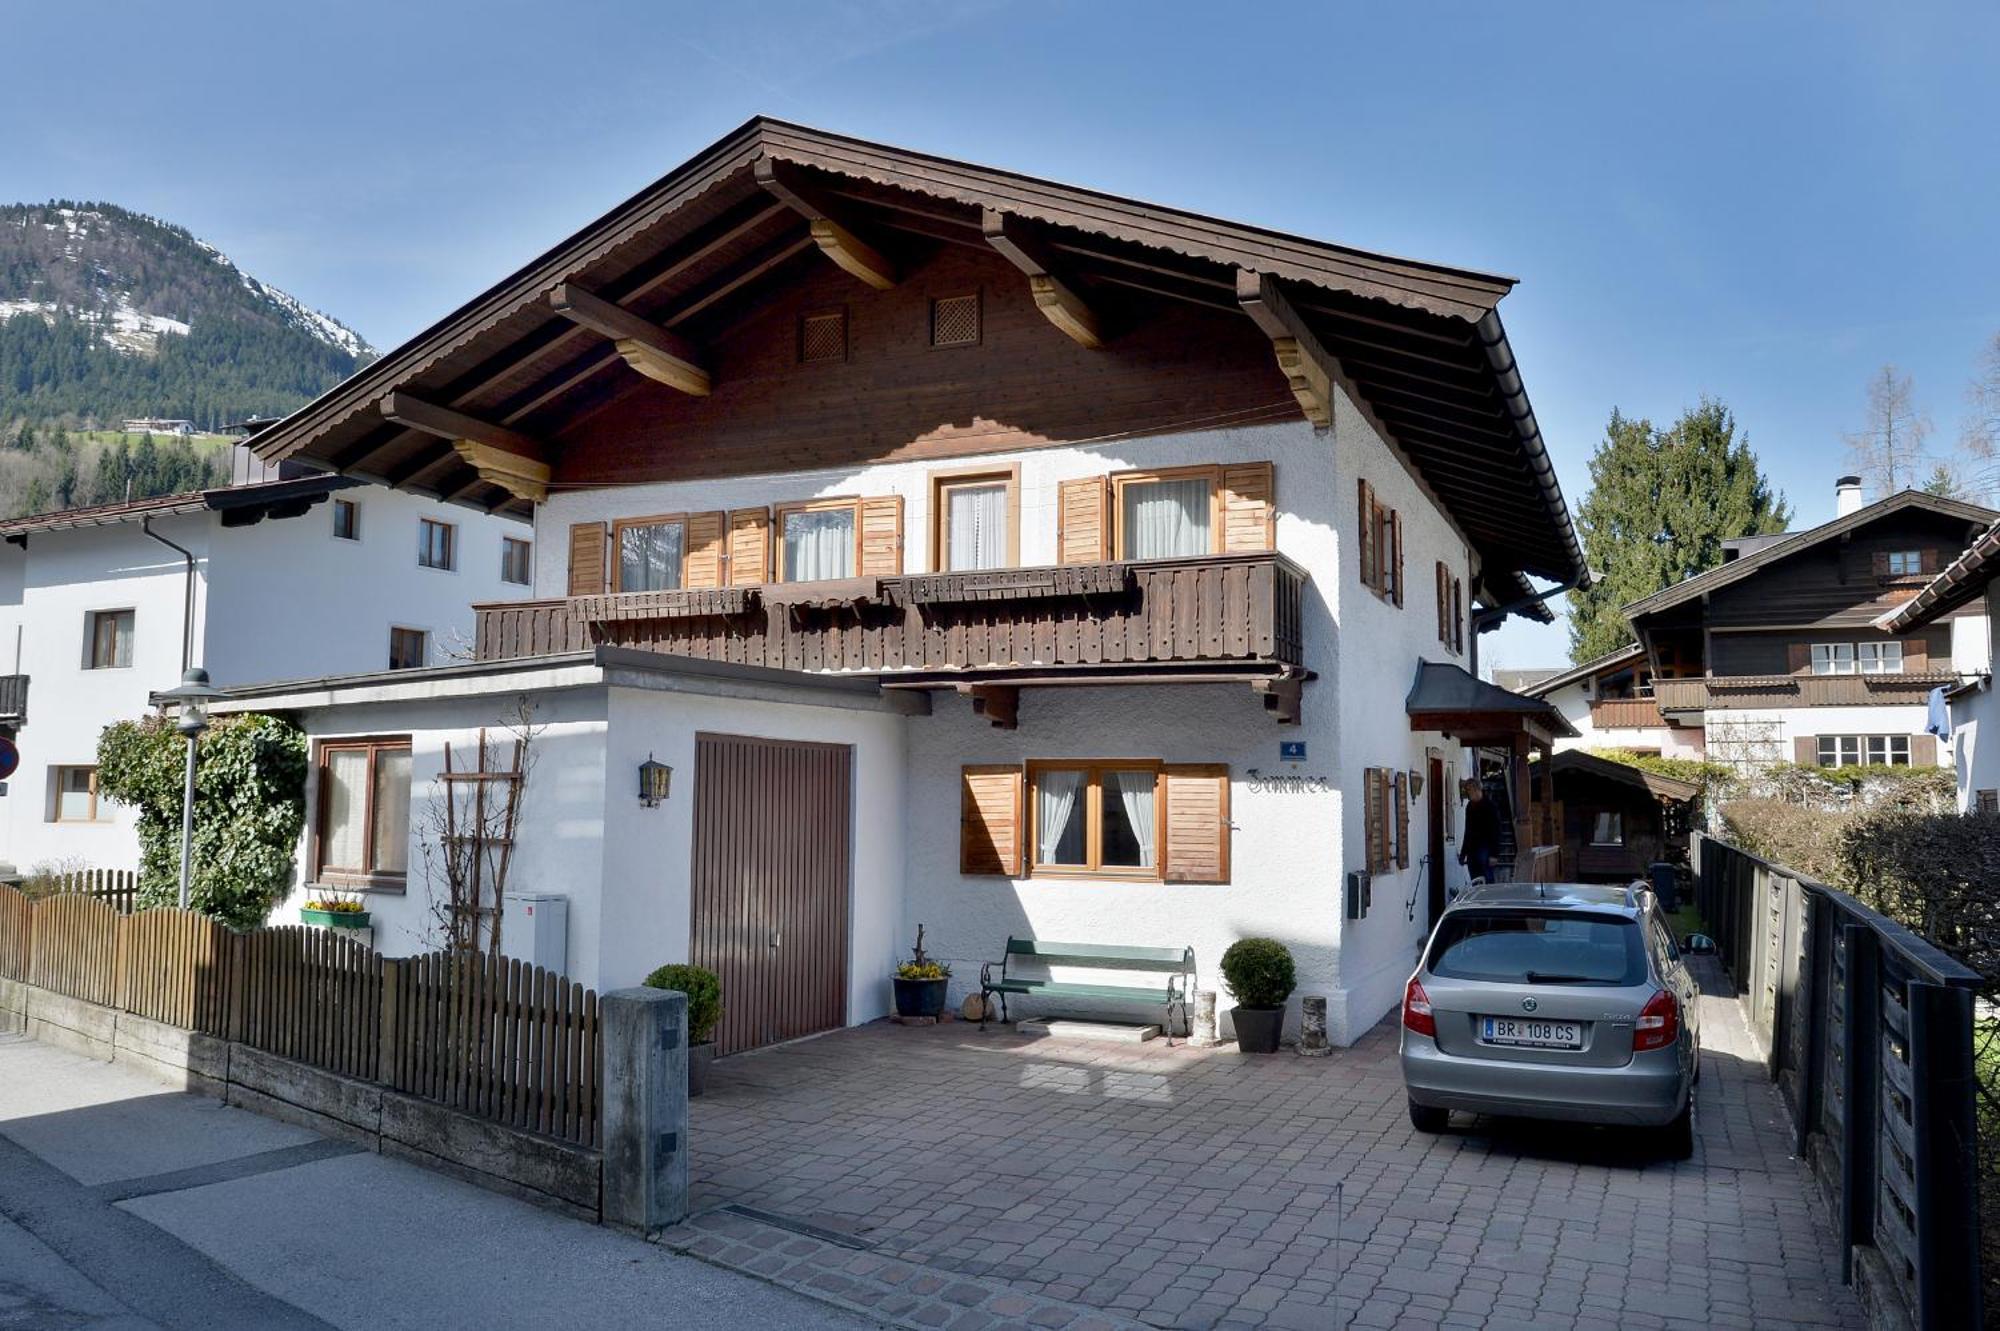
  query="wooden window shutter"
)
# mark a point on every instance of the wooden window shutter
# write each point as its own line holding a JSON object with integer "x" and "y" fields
{"x": 1366, "y": 538}
{"x": 1249, "y": 508}
{"x": 1457, "y": 617}
{"x": 882, "y": 536}
{"x": 989, "y": 821}
{"x": 706, "y": 563}
{"x": 1930, "y": 559}
{"x": 1443, "y": 579}
{"x": 1082, "y": 528}
{"x": 1798, "y": 658}
{"x": 587, "y": 563}
{"x": 1396, "y": 555}
{"x": 1923, "y": 750}
{"x": 1805, "y": 750}
{"x": 1375, "y": 834}
{"x": 1880, "y": 562}
{"x": 1197, "y": 823}
{"x": 1402, "y": 816}
{"x": 1916, "y": 656}
{"x": 749, "y": 546}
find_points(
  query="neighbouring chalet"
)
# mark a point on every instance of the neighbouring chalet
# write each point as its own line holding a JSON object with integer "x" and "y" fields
{"x": 975, "y": 551}
{"x": 1959, "y": 596}
{"x": 283, "y": 572}
{"x": 1789, "y": 650}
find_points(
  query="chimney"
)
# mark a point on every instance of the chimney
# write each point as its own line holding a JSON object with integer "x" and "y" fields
{"x": 1846, "y": 496}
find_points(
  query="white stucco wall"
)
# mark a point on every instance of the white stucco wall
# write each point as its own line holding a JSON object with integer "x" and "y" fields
{"x": 278, "y": 599}
{"x": 1766, "y": 735}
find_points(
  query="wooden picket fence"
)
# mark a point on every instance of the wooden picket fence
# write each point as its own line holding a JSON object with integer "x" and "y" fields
{"x": 117, "y": 888}
{"x": 515, "y": 1044}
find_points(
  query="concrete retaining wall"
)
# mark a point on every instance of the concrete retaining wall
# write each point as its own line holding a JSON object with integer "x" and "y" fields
{"x": 539, "y": 1169}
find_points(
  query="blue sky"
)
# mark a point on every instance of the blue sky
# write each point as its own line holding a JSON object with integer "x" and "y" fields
{"x": 1763, "y": 202}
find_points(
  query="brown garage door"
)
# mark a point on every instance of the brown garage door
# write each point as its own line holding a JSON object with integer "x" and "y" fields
{"x": 770, "y": 884}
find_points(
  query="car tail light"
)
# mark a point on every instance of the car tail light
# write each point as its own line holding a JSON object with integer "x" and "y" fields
{"x": 1659, "y": 1023}
{"x": 1417, "y": 1014}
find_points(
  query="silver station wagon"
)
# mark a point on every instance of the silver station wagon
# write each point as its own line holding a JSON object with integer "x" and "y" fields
{"x": 1554, "y": 1001}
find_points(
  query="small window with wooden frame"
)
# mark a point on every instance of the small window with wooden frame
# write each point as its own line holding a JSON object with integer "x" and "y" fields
{"x": 1379, "y": 538}
{"x": 1167, "y": 514}
{"x": 651, "y": 553}
{"x": 74, "y": 796}
{"x": 817, "y": 539}
{"x": 976, "y": 519}
{"x": 1102, "y": 819}
{"x": 361, "y": 828}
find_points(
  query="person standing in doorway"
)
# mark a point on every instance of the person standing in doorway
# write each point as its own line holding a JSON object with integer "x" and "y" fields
{"x": 1482, "y": 831}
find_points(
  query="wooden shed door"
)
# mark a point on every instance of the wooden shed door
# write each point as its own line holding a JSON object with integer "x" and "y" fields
{"x": 770, "y": 882}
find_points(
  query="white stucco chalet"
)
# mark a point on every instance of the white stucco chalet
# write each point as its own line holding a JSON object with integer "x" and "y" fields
{"x": 270, "y": 578}
{"x": 978, "y": 553}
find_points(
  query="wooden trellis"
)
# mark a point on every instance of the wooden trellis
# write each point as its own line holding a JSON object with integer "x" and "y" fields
{"x": 481, "y": 811}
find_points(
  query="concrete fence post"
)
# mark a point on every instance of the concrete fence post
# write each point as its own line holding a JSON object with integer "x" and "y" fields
{"x": 1312, "y": 1027}
{"x": 645, "y": 1107}
{"x": 1203, "y": 1035}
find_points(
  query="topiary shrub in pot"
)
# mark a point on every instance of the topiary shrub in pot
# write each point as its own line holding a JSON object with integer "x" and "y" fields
{"x": 704, "y": 996}
{"x": 1260, "y": 976}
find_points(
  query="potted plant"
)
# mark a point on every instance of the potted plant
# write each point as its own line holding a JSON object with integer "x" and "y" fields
{"x": 1260, "y": 977}
{"x": 921, "y": 983}
{"x": 704, "y": 995}
{"x": 335, "y": 913}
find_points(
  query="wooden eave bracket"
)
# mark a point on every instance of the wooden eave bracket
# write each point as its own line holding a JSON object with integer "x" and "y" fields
{"x": 1055, "y": 297}
{"x": 658, "y": 353}
{"x": 998, "y": 703}
{"x": 1309, "y": 369}
{"x": 841, "y": 245}
{"x": 1283, "y": 695}
{"x": 516, "y": 462}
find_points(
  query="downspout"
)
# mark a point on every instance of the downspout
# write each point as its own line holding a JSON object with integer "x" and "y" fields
{"x": 187, "y": 610}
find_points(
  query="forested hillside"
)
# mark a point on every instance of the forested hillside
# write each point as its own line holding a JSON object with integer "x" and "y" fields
{"x": 108, "y": 315}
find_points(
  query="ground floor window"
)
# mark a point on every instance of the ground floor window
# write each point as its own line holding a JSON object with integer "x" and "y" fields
{"x": 1853, "y": 750}
{"x": 1086, "y": 818}
{"x": 76, "y": 795}
{"x": 362, "y": 834}
{"x": 1097, "y": 818}
{"x": 1607, "y": 828}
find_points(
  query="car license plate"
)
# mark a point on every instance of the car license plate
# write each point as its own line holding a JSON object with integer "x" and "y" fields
{"x": 1533, "y": 1034}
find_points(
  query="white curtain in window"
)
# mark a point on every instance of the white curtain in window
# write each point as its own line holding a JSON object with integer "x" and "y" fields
{"x": 1134, "y": 793}
{"x": 1166, "y": 518}
{"x": 73, "y": 795}
{"x": 1058, "y": 818}
{"x": 976, "y": 523}
{"x": 819, "y": 543}
{"x": 121, "y": 652}
{"x": 649, "y": 558}
{"x": 342, "y": 842}
{"x": 392, "y": 811}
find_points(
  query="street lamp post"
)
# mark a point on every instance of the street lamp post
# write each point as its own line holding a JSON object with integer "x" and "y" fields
{"x": 194, "y": 693}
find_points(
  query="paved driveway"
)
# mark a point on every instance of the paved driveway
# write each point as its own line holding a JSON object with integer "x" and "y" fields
{"x": 1193, "y": 1188}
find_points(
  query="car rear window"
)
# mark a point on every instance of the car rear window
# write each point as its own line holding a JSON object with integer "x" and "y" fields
{"x": 1539, "y": 947}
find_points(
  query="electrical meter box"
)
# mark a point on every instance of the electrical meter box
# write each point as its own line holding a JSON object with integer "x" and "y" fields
{"x": 535, "y": 929}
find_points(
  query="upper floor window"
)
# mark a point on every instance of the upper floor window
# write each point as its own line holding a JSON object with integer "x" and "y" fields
{"x": 437, "y": 544}
{"x": 976, "y": 520}
{"x": 107, "y": 639}
{"x": 650, "y": 551}
{"x": 818, "y": 540}
{"x": 75, "y": 795}
{"x": 1451, "y": 608}
{"x": 516, "y": 560}
{"x": 408, "y": 648}
{"x": 1380, "y": 538}
{"x": 346, "y": 520}
{"x": 1904, "y": 563}
{"x": 362, "y": 832}
{"x": 1879, "y": 658}
{"x": 1833, "y": 658}
{"x": 1164, "y": 515}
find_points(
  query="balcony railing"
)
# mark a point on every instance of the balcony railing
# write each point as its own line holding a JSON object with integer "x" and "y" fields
{"x": 1625, "y": 713}
{"x": 1237, "y": 611}
{"x": 13, "y": 700}
{"x": 1754, "y": 691}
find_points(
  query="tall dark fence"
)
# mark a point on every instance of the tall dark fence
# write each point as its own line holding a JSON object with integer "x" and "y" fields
{"x": 1868, "y": 1031}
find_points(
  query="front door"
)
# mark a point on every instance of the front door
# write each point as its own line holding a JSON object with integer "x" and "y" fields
{"x": 770, "y": 881}
{"x": 1437, "y": 807}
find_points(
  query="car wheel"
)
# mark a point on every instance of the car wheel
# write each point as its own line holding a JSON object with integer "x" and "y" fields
{"x": 1428, "y": 1118}
{"x": 1679, "y": 1139}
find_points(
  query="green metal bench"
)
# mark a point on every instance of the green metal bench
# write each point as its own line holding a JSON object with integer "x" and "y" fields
{"x": 1175, "y": 964}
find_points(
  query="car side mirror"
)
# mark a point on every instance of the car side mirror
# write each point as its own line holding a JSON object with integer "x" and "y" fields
{"x": 1698, "y": 945}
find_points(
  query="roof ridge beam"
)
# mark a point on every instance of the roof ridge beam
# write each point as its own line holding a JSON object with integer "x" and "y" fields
{"x": 823, "y": 217}
{"x": 1055, "y": 296}
{"x": 658, "y": 353}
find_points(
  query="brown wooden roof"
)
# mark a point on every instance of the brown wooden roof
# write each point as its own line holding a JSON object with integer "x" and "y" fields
{"x": 1420, "y": 344}
{"x": 1961, "y": 582}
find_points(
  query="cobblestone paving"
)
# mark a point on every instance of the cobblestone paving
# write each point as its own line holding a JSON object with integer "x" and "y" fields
{"x": 1078, "y": 1183}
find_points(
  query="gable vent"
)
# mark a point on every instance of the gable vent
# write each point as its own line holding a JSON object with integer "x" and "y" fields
{"x": 955, "y": 321}
{"x": 823, "y": 336}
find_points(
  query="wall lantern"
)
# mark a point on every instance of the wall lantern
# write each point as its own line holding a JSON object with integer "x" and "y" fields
{"x": 654, "y": 778}
{"x": 1416, "y": 783}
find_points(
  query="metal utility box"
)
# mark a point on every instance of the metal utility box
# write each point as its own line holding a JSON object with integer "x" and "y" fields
{"x": 535, "y": 929}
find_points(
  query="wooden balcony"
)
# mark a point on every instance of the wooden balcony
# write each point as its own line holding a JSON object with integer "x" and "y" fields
{"x": 13, "y": 700}
{"x": 1625, "y": 713}
{"x": 1201, "y": 619}
{"x": 1675, "y": 696}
